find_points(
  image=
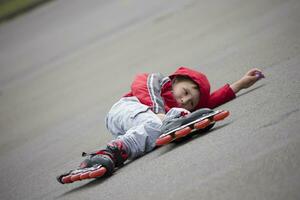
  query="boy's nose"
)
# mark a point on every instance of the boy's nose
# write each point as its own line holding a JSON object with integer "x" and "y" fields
{"x": 184, "y": 100}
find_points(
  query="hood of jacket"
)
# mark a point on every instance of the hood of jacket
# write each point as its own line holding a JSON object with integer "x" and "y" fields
{"x": 200, "y": 79}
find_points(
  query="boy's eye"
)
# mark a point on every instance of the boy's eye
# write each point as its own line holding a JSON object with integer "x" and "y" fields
{"x": 185, "y": 91}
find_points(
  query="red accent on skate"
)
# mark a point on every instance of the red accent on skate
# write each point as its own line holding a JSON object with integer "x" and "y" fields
{"x": 183, "y": 132}
{"x": 183, "y": 113}
{"x": 164, "y": 140}
{"x": 220, "y": 116}
{"x": 121, "y": 146}
{"x": 98, "y": 173}
{"x": 67, "y": 179}
{"x": 85, "y": 175}
{"x": 202, "y": 124}
{"x": 75, "y": 177}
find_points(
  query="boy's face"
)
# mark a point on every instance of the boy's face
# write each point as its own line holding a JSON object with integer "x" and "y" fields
{"x": 186, "y": 94}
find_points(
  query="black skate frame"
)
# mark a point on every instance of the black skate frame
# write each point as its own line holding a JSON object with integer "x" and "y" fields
{"x": 208, "y": 115}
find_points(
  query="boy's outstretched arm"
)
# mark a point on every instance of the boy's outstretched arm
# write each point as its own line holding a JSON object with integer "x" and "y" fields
{"x": 247, "y": 80}
{"x": 228, "y": 92}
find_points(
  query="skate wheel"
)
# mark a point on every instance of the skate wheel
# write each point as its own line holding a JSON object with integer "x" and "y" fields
{"x": 98, "y": 173}
{"x": 183, "y": 132}
{"x": 85, "y": 175}
{"x": 67, "y": 179}
{"x": 220, "y": 116}
{"x": 164, "y": 140}
{"x": 202, "y": 124}
{"x": 75, "y": 177}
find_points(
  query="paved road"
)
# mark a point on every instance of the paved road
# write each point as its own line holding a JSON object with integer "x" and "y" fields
{"x": 64, "y": 64}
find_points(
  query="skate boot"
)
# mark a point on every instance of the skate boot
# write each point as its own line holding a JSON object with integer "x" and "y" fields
{"x": 202, "y": 119}
{"x": 97, "y": 164}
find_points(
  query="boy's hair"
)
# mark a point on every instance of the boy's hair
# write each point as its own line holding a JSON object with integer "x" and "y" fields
{"x": 181, "y": 78}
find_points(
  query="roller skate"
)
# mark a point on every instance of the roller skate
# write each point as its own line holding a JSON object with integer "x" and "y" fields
{"x": 202, "y": 119}
{"x": 97, "y": 164}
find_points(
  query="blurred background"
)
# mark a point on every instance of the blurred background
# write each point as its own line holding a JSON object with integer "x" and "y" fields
{"x": 64, "y": 63}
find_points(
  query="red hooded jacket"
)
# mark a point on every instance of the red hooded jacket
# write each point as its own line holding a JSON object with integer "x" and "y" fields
{"x": 155, "y": 90}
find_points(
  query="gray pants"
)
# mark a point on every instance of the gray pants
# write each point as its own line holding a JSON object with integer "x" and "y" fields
{"x": 136, "y": 125}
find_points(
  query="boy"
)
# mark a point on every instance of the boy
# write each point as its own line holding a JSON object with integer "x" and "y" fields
{"x": 136, "y": 119}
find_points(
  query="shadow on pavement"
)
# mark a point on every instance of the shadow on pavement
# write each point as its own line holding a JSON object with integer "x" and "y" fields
{"x": 92, "y": 183}
{"x": 189, "y": 138}
{"x": 251, "y": 90}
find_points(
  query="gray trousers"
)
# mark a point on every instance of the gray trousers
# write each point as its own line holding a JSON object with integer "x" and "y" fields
{"x": 136, "y": 125}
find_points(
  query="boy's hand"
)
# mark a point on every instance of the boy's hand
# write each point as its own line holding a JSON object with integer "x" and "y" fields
{"x": 247, "y": 80}
{"x": 173, "y": 113}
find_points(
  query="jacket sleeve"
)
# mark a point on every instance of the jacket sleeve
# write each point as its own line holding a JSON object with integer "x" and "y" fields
{"x": 147, "y": 88}
{"x": 221, "y": 96}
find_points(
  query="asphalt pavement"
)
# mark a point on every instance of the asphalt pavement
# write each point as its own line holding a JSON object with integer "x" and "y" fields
{"x": 64, "y": 64}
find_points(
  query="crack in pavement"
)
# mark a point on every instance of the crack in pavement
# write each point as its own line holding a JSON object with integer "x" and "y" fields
{"x": 280, "y": 118}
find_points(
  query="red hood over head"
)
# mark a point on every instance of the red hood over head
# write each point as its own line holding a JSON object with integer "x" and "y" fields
{"x": 200, "y": 79}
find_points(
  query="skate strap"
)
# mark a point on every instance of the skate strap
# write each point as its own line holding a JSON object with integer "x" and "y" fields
{"x": 117, "y": 155}
{"x": 112, "y": 152}
{"x": 84, "y": 154}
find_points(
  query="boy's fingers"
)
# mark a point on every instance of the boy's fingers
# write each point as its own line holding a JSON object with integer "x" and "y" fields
{"x": 259, "y": 75}
{"x": 253, "y": 78}
{"x": 255, "y": 72}
{"x": 250, "y": 72}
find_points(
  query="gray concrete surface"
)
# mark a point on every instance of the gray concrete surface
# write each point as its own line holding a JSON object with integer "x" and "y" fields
{"x": 64, "y": 64}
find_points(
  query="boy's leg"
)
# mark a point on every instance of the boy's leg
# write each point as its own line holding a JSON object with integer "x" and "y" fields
{"x": 135, "y": 128}
{"x": 135, "y": 125}
{"x": 142, "y": 138}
